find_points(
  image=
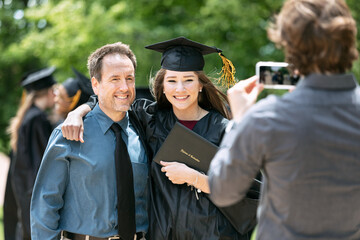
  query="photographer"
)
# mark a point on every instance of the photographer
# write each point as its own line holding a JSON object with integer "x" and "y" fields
{"x": 307, "y": 142}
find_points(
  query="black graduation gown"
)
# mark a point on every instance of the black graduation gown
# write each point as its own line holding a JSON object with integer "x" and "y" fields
{"x": 10, "y": 207}
{"x": 34, "y": 134}
{"x": 175, "y": 211}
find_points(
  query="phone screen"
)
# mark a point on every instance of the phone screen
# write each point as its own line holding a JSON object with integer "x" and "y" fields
{"x": 276, "y": 75}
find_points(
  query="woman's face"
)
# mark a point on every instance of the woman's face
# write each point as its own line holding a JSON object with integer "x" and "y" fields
{"x": 51, "y": 97}
{"x": 182, "y": 89}
{"x": 62, "y": 101}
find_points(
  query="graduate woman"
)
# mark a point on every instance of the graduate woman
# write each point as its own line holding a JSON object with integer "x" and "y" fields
{"x": 180, "y": 207}
{"x": 30, "y": 130}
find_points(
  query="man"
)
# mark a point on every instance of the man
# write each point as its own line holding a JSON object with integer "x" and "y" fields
{"x": 307, "y": 142}
{"x": 75, "y": 193}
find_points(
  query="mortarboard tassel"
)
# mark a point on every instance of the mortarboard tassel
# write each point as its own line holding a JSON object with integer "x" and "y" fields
{"x": 23, "y": 97}
{"x": 75, "y": 100}
{"x": 227, "y": 77}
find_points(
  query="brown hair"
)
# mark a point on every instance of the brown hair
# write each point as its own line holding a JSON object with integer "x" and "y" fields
{"x": 95, "y": 59}
{"x": 210, "y": 97}
{"x": 318, "y": 36}
{"x": 26, "y": 102}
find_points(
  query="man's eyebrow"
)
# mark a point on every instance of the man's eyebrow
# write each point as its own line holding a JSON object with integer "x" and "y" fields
{"x": 116, "y": 75}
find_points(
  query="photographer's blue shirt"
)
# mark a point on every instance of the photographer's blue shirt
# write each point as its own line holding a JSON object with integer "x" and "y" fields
{"x": 75, "y": 189}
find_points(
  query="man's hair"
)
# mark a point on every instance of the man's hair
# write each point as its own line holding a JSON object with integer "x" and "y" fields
{"x": 317, "y": 35}
{"x": 95, "y": 59}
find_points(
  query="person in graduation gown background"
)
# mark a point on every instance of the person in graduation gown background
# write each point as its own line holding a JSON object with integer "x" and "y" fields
{"x": 30, "y": 130}
{"x": 71, "y": 94}
{"x": 180, "y": 207}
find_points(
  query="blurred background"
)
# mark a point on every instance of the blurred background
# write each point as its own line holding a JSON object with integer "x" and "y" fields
{"x": 62, "y": 33}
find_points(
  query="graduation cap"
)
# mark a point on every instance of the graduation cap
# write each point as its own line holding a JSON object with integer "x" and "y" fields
{"x": 79, "y": 89}
{"x": 182, "y": 54}
{"x": 39, "y": 80}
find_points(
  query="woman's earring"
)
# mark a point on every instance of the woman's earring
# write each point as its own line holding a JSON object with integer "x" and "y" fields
{"x": 164, "y": 92}
{"x": 200, "y": 90}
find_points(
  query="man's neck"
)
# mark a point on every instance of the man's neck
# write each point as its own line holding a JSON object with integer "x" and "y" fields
{"x": 116, "y": 116}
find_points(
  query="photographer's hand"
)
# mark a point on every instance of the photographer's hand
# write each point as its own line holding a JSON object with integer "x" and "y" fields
{"x": 242, "y": 96}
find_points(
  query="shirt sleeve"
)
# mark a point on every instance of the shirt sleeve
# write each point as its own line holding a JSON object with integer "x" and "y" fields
{"x": 47, "y": 198}
{"x": 237, "y": 162}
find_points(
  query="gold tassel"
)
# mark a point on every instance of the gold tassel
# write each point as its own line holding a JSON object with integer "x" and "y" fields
{"x": 23, "y": 97}
{"x": 227, "y": 77}
{"x": 75, "y": 100}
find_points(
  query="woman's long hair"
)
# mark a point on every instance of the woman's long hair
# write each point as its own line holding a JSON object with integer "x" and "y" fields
{"x": 210, "y": 97}
{"x": 26, "y": 102}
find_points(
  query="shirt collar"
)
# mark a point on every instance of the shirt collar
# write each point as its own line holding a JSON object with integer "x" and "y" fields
{"x": 105, "y": 122}
{"x": 124, "y": 123}
{"x": 330, "y": 82}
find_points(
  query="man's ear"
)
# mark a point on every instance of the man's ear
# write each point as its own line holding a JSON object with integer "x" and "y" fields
{"x": 95, "y": 85}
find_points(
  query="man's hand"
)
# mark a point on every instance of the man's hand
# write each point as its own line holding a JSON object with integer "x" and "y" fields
{"x": 73, "y": 126}
{"x": 242, "y": 96}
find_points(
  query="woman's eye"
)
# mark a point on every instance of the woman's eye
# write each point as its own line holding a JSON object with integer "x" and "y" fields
{"x": 171, "y": 80}
{"x": 189, "y": 80}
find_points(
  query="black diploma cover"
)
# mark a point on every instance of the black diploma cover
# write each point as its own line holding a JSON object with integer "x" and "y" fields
{"x": 185, "y": 146}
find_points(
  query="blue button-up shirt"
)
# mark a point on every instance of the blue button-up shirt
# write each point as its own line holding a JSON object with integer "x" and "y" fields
{"x": 75, "y": 189}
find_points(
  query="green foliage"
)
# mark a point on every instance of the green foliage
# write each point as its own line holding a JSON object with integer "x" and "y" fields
{"x": 38, "y": 33}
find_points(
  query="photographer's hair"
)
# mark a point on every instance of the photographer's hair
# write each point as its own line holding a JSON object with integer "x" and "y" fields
{"x": 95, "y": 59}
{"x": 318, "y": 36}
{"x": 209, "y": 98}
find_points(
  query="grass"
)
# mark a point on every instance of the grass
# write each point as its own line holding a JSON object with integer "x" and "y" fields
{"x": 1, "y": 224}
{"x": 253, "y": 236}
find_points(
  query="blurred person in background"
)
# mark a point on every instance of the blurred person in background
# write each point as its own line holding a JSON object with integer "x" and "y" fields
{"x": 30, "y": 130}
{"x": 10, "y": 207}
{"x": 71, "y": 94}
{"x": 306, "y": 142}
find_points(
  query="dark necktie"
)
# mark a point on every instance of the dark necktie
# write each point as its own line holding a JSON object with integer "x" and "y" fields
{"x": 125, "y": 188}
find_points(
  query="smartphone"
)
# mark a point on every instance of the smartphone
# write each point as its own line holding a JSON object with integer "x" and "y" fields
{"x": 275, "y": 75}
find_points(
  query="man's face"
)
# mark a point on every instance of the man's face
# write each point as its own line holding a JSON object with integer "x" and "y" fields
{"x": 116, "y": 90}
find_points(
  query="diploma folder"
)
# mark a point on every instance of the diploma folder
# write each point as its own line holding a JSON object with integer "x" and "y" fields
{"x": 185, "y": 146}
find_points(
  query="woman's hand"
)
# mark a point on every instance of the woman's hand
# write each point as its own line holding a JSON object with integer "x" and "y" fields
{"x": 179, "y": 173}
{"x": 73, "y": 126}
{"x": 242, "y": 96}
